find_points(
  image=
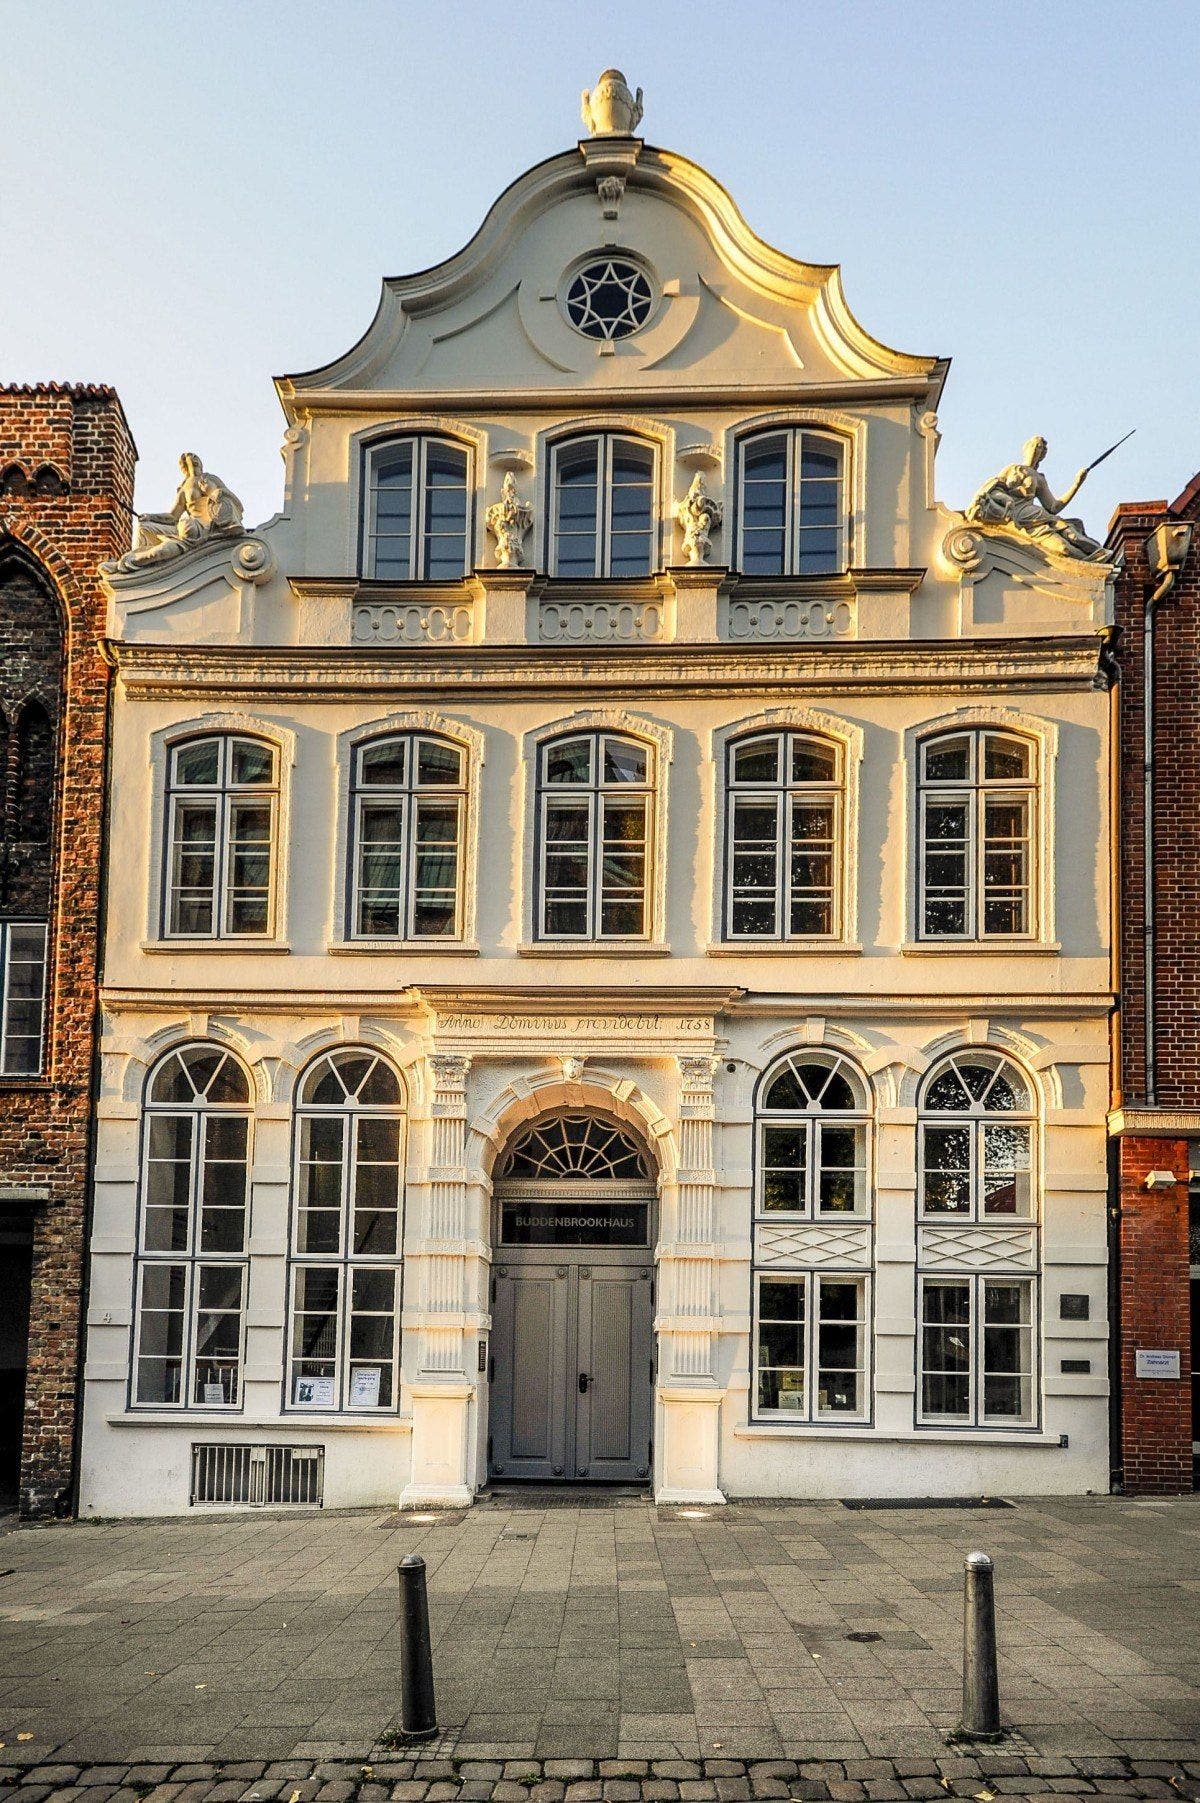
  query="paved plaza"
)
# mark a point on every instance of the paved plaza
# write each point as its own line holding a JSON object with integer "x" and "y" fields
{"x": 809, "y": 1635}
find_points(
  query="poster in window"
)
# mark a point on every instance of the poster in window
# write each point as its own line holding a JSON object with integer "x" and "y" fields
{"x": 314, "y": 1392}
{"x": 364, "y": 1387}
{"x": 791, "y": 1390}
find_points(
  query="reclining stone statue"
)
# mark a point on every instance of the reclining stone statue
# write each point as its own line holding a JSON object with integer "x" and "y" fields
{"x": 1021, "y": 497}
{"x": 203, "y": 509}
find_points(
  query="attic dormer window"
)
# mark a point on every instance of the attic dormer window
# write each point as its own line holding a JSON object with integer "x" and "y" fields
{"x": 609, "y": 297}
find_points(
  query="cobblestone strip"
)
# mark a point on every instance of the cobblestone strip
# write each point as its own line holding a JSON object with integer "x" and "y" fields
{"x": 985, "y": 1775}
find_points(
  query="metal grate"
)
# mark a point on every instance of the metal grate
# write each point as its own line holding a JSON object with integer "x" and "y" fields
{"x": 257, "y": 1477}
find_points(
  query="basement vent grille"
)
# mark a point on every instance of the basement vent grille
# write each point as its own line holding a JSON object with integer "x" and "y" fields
{"x": 258, "y": 1477}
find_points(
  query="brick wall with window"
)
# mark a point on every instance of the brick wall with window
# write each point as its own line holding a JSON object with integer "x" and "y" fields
{"x": 1157, "y": 1071}
{"x": 66, "y": 490}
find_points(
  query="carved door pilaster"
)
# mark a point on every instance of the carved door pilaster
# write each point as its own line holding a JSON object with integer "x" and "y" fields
{"x": 443, "y": 1277}
{"x": 689, "y": 1273}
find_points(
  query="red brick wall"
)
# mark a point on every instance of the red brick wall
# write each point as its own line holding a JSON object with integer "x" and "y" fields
{"x": 66, "y": 488}
{"x": 1156, "y": 1415}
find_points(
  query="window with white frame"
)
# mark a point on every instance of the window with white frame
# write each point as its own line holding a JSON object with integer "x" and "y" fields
{"x": 792, "y": 513}
{"x": 347, "y": 1234}
{"x": 417, "y": 525}
{"x": 595, "y": 792}
{"x": 783, "y": 850}
{"x": 221, "y": 814}
{"x": 976, "y": 1134}
{"x": 604, "y": 513}
{"x": 408, "y": 803}
{"x": 191, "y": 1278}
{"x": 22, "y": 997}
{"x": 811, "y": 1345}
{"x": 977, "y": 1350}
{"x": 812, "y": 1123}
{"x": 977, "y": 793}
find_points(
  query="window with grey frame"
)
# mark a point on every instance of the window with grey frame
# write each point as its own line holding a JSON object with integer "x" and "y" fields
{"x": 812, "y": 1345}
{"x": 783, "y": 850}
{"x": 191, "y": 1265}
{"x": 221, "y": 817}
{"x": 408, "y": 809}
{"x": 977, "y": 830}
{"x": 22, "y": 997}
{"x": 417, "y": 510}
{"x": 347, "y": 1225}
{"x": 595, "y": 796}
{"x": 792, "y": 513}
{"x": 604, "y": 513}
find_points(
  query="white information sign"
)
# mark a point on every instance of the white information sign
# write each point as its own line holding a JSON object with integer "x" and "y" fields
{"x": 1156, "y": 1364}
{"x": 314, "y": 1392}
{"x": 213, "y": 1393}
{"x": 364, "y": 1387}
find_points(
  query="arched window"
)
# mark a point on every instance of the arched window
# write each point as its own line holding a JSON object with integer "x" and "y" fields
{"x": 783, "y": 851}
{"x": 977, "y": 830}
{"x": 594, "y": 809}
{"x": 408, "y": 809}
{"x": 976, "y": 1157}
{"x": 192, "y": 1248}
{"x": 222, "y": 799}
{"x": 574, "y": 1148}
{"x": 811, "y": 1325}
{"x": 792, "y": 514}
{"x": 417, "y": 510}
{"x": 346, "y": 1233}
{"x": 604, "y": 512}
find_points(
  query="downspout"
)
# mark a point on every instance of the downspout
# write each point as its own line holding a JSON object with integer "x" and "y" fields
{"x": 1111, "y": 669}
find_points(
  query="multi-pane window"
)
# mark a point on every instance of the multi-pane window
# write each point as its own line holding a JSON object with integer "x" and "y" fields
{"x": 978, "y": 796}
{"x": 811, "y": 1345}
{"x": 222, "y": 799}
{"x": 191, "y": 1291}
{"x": 812, "y": 1139}
{"x": 595, "y": 792}
{"x": 792, "y": 518}
{"x": 22, "y": 997}
{"x": 977, "y": 1350}
{"x": 417, "y": 511}
{"x": 346, "y": 1237}
{"x": 408, "y": 803}
{"x": 604, "y": 516}
{"x": 976, "y": 1140}
{"x": 783, "y": 830}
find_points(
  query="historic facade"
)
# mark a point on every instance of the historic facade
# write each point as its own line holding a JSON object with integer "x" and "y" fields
{"x": 609, "y": 967}
{"x": 66, "y": 489}
{"x": 1156, "y": 1062}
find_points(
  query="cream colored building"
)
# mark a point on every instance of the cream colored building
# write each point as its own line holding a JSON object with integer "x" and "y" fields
{"x": 607, "y": 974}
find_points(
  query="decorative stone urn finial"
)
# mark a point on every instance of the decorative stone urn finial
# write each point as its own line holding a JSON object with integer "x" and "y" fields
{"x": 610, "y": 110}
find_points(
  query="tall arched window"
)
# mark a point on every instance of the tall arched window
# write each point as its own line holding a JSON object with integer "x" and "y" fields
{"x": 417, "y": 510}
{"x": 192, "y": 1249}
{"x": 222, "y": 799}
{"x": 783, "y": 851}
{"x": 604, "y": 512}
{"x": 978, "y": 827}
{"x": 346, "y": 1233}
{"x": 595, "y": 791}
{"x": 811, "y": 1321}
{"x": 792, "y": 514}
{"x": 976, "y": 1163}
{"x": 408, "y": 809}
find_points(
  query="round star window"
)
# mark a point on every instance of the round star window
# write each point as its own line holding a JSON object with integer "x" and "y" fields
{"x": 609, "y": 297}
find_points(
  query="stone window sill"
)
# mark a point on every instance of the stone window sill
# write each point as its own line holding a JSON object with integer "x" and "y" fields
{"x": 981, "y": 948}
{"x": 278, "y": 1424}
{"x": 922, "y": 1436}
{"x": 409, "y": 948}
{"x": 593, "y": 948}
{"x": 257, "y": 946}
{"x": 783, "y": 948}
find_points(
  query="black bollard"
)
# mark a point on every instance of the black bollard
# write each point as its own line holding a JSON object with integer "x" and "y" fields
{"x": 418, "y": 1712}
{"x": 981, "y": 1682}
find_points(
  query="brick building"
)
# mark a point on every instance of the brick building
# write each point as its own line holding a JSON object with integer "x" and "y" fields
{"x": 66, "y": 488}
{"x": 1155, "y": 1119}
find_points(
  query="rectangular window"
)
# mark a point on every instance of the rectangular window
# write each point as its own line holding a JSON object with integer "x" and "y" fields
{"x": 182, "y": 1306}
{"x": 811, "y": 1340}
{"x": 813, "y": 1166}
{"x": 220, "y": 834}
{"x": 344, "y": 1321}
{"x": 22, "y": 1013}
{"x": 976, "y": 828}
{"x": 977, "y": 1351}
{"x": 594, "y": 809}
{"x": 783, "y": 856}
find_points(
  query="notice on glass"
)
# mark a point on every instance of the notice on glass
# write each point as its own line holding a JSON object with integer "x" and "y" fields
{"x": 314, "y": 1392}
{"x": 364, "y": 1387}
{"x": 214, "y": 1393}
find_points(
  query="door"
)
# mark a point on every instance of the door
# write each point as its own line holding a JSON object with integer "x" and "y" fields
{"x": 16, "y": 1264}
{"x": 572, "y": 1371}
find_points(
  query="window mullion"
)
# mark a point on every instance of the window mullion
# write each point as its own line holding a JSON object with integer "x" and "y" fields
{"x": 603, "y": 509}
{"x": 811, "y": 1342}
{"x": 783, "y": 860}
{"x": 595, "y": 854}
{"x": 407, "y": 803}
{"x": 795, "y": 464}
{"x": 977, "y": 1322}
{"x": 415, "y": 563}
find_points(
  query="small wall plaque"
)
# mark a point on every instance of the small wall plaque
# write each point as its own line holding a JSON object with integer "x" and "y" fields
{"x": 1076, "y": 1367}
{"x": 1156, "y": 1364}
{"x": 1074, "y": 1308}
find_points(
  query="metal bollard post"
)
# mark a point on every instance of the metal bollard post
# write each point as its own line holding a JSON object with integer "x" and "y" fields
{"x": 418, "y": 1712}
{"x": 981, "y": 1682}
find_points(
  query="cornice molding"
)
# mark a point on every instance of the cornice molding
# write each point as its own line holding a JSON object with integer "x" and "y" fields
{"x": 649, "y": 395}
{"x": 1155, "y": 1123}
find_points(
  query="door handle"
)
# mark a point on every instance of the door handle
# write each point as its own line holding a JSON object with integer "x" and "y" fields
{"x": 583, "y": 1383}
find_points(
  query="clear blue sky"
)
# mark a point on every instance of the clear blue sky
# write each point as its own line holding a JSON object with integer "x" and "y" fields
{"x": 196, "y": 199}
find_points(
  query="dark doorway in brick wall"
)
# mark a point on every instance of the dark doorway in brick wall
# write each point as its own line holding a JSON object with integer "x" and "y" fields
{"x": 1194, "y": 1273}
{"x": 16, "y": 1267}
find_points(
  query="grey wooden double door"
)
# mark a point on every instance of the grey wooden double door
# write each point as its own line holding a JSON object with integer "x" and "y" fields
{"x": 572, "y": 1364}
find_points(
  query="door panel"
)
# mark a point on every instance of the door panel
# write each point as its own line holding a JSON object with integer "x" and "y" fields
{"x": 615, "y": 1352}
{"x": 531, "y": 1321}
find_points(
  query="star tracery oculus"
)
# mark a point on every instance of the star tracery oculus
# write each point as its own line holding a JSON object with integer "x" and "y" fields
{"x": 609, "y": 298}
